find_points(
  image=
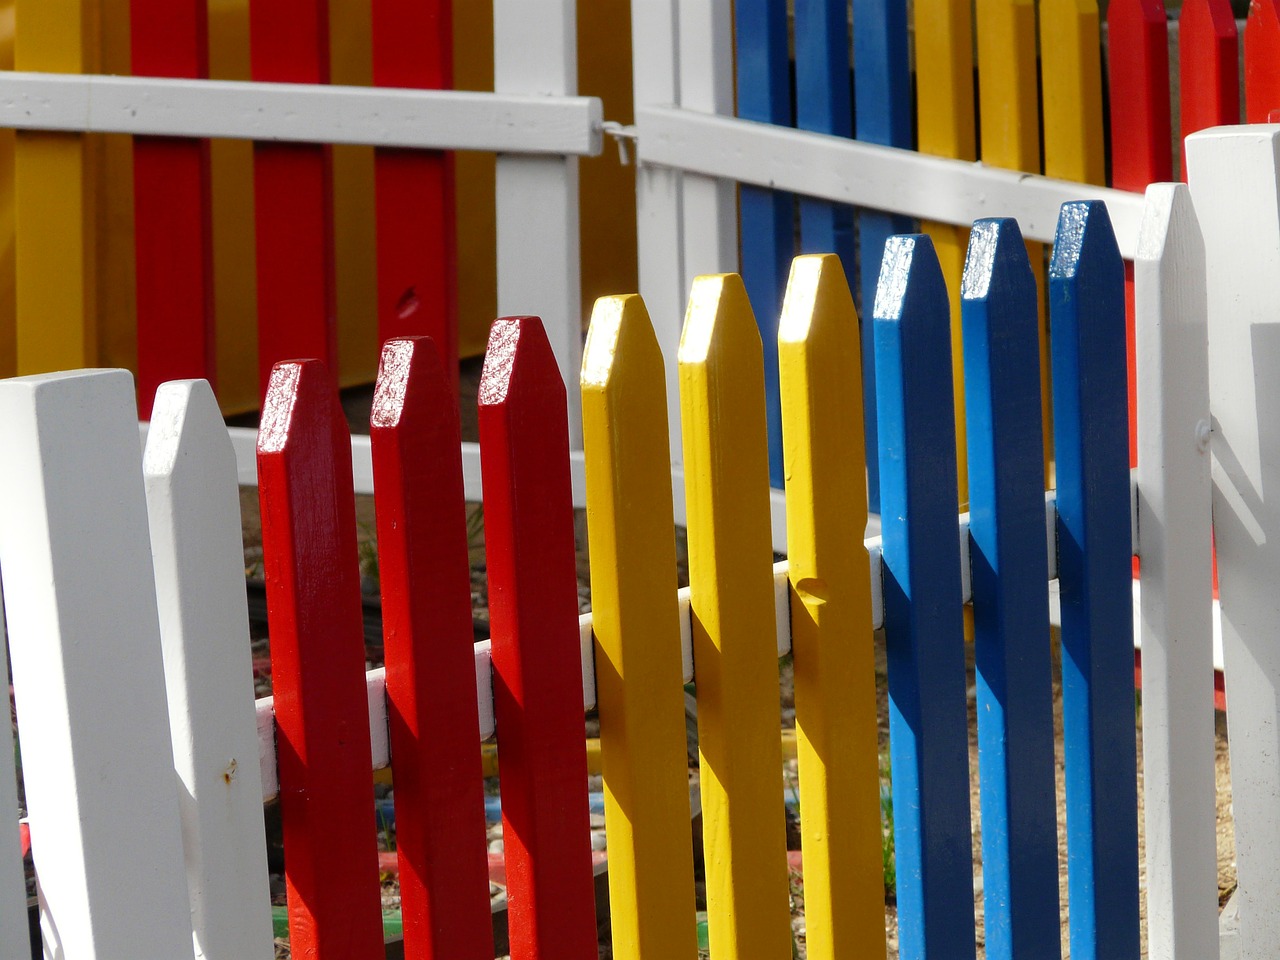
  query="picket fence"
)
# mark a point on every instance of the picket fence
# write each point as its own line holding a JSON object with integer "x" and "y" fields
{"x": 126, "y": 619}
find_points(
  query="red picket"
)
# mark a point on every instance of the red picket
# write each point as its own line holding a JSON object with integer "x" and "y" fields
{"x": 426, "y": 615}
{"x": 172, "y": 209}
{"x": 1138, "y": 67}
{"x": 1208, "y": 67}
{"x": 414, "y": 192}
{"x": 537, "y": 667}
{"x": 293, "y": 196}
{"x": 1262, "y": 60}
{"x": 317, "y": 666}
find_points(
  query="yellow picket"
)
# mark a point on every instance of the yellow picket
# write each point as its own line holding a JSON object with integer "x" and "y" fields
{"x": 1071, "y": 71}
{"x": 8, "y": 346}
{"x": 635, "y": 619}
{"x": 54, "y": 197}
{"x": 819, "y": 366}
{"x": 944, "y": 114}
{"x": 1010, "y": 134}
{"x": 735, "y": 650}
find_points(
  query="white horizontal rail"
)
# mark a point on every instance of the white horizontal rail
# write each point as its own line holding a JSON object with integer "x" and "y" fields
{"x": 304, "y": 113}
{"x": 866, "y": 175}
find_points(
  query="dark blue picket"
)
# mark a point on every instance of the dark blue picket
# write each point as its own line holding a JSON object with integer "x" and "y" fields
{"x": 924, "y": 628}
{"x": 882, "y": 112}
{"x": 1091, "y": 441}
{"x": 767, "y": 216}
{"x": 1009, "y": 567}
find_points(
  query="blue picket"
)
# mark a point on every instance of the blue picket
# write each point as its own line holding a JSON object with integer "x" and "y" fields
{"x": 767, "y": 216}
{"x": 924, "y": 628}
{"x": 882, "y": 112}
{"x": 1091, "y": 440}
{"x": 1009, "y": 567}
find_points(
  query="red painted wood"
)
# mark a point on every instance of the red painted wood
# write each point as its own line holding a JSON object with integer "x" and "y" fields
{"x": 1208, "y": 67}
{"x": 431, "y": 698}
{"x": 1262, "y": 60}
{"x": 1138, "y": 68}
{"x": 537, "y": 668}
{"x": 317, "y": 665}
{"x": 414, "y": 190}
{"x": 172, "y": 209}
{"x": 293, "y": 191}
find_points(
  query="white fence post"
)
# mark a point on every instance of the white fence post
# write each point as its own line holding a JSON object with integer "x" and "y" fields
{"x": 535, "y": 51}
{"x": 194, "y": 506}
{"x": 1177, "y": 595}
{"x": 84, "y": 640}
{"x": 14, "y": 932}
{"x": 1233, "y": 177}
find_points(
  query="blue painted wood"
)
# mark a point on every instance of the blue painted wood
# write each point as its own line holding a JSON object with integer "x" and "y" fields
{"x": 767, "y": 216}
{"x": 1091, "y": 440}
{"x": 924, "y": 628}
{"x": 882, "y": 112}
{"x": 1009, "y": 567}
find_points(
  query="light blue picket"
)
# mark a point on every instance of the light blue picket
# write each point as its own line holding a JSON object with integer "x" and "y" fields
{"x": 1009, "y": 567}
{"x": 1091, "y": 440}
{"x": 767, "y": 217}
{"x": 924, "y": 629}
{"x": 882, "y": 112}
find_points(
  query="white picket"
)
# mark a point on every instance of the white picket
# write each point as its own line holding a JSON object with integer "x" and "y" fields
{"x": 1177, "y": 590}
{"x": 84, "y": 640}
{"x": 194, "y": 507}
{"x": 1233, "y": 176}
{"x": 536, "y": 53}
{"x": 15, "y": 937}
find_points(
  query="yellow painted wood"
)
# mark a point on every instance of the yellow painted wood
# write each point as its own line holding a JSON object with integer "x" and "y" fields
{"x": 8, "y": 343}
{"x": 1071, "y": 72}
{"x": 635, "y": 618}
{"x": 54, "y": 192}
{"x": 944, "y": 112}
{"x": 819, "y": 365}
{"x": 1010, "y": 134}
{"x": 735, "y": 649}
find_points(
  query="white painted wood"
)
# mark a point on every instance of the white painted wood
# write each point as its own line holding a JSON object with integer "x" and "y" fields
{"x": 307, "y": 113}
{"x": 14, "y": 933}
{"x": 539, "y": 266}
{"x": 867, "y": 175}
{"x": 1233, "y": 177}
{"x": 84, "y": 640}
{"x": 193, "y": 505}
{"x": 1176, "y": 628}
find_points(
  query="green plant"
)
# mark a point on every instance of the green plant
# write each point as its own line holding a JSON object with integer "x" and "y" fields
{"x": 887, "y": 854}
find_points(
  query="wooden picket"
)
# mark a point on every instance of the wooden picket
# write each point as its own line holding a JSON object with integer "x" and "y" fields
{"x": 426, "y": 609}
{"x": 537, "y": 679}
{"x": 293, "y": 197}
{"x": 635, "y": 619}
{"x": 194, "y": 511}
{"x": 1008, "y": 568}
{"x": 831, "y": 633}
{"x": 1177, "y": 601}
{"x": 317, "y": 666}
{"x": 78, "y": 572}
{"x": 1071, "y": 77}
{"x": 1208, "y": 67}
{"x": 734, "y": 643}
{"x": 173, "y": 217}
{"x": 1086, "y": 291}
{"x": 14, "y": 923}
{"x": 924, "y": 629}
{"x": 1262, "y": 61}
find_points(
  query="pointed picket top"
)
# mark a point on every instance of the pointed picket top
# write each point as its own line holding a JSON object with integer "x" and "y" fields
{"x": 430, "y": 666}
{"x": 537, "y": 663}
{"x": 909, "y": 277}
{"x": 831, "y": 632}
{"x": 317, "y": 665}
{"x": 637, "y": 634}
{"x": 1091, "y": 439}
{"x": 1262, "y": 61}
{"x": 1208, "y": 67}
{"x": 193, "y": 504}
{"x": 1008, "y": 562}
{"x": 732, "y": 608}
{"x": 1177, "y": 578}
